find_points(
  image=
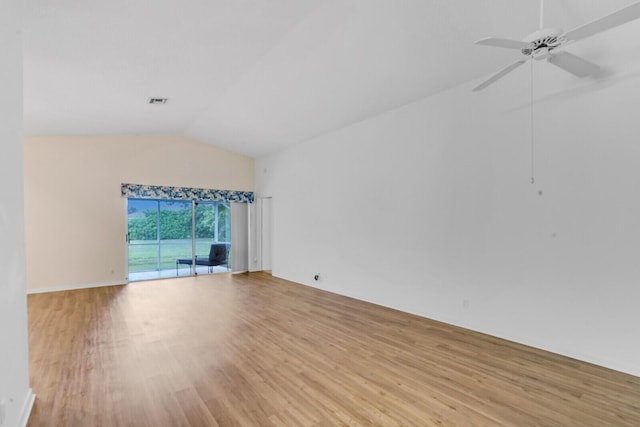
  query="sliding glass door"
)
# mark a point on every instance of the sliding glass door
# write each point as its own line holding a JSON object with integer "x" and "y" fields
{"x": 144, "y": 245}
{"x": 175, "y": 234}
{"x": 213, "y": 235}
{"x": 162, "y": 238}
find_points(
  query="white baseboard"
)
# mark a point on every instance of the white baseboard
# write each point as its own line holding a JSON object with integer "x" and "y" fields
{"x": 74, "y": 287}
{"x": 27, "y": 406}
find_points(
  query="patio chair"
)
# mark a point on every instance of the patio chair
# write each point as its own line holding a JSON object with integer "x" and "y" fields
{"x": 218, "y": 255}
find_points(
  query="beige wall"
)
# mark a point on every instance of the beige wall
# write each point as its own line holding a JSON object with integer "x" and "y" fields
{"x": 75, "y": 217}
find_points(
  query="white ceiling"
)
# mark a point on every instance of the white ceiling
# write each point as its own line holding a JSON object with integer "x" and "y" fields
{"x": 254, "y": 76}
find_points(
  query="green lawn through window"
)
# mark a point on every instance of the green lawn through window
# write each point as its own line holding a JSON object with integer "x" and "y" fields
{"x": 143, "y": 254}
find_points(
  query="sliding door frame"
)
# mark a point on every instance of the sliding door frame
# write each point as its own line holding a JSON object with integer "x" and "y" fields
{"x": 215, "y": 205}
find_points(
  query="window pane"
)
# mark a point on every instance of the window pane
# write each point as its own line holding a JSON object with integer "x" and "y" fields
{"x": 175, "y": 232}
{"x": 142, "y": 217}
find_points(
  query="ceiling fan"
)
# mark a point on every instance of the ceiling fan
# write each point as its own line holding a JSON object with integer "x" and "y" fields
{"x": 543, "y": 43}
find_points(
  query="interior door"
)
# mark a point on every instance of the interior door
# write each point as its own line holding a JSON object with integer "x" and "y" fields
{"x": 266, "y": 220}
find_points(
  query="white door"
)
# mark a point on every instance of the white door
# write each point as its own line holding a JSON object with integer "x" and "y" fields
{"x": 266, "y": 225}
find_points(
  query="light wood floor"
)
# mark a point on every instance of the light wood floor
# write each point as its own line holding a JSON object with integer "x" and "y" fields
{"x": 252, "y": 350}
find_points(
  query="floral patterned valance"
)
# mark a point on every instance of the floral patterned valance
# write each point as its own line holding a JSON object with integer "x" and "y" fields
{"x": 139, "y": 191}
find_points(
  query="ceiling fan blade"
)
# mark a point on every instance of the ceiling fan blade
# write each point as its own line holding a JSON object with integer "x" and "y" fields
{"x": 573, "y": 64}
{"x": 506, "y": 43}
{"x": 620, "y": 17}
{"x": 500, "y": 74}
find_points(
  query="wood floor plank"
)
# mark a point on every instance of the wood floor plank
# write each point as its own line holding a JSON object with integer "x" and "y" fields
{"x": 254, "y": 350}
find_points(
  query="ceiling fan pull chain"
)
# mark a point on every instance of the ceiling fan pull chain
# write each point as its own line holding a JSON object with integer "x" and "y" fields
{"x": 531, "y": 120}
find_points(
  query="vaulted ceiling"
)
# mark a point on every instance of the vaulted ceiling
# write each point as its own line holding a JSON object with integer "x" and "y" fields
{"x": 254, "y": 76}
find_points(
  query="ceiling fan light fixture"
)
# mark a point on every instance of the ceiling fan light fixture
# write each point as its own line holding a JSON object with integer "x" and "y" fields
{"x": 540, "y": 53}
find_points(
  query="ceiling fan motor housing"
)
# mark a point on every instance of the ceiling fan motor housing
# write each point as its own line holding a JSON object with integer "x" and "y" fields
{"x": 542, "y": 42}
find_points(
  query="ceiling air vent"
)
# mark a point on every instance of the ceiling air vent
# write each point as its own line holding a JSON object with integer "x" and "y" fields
{"x": 158, "y": 100}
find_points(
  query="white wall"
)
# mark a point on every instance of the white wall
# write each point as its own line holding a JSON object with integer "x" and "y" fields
{"x": 15, "y": 395}
{"x": 429, "y": 209}
{"x": 75, "y": 215}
